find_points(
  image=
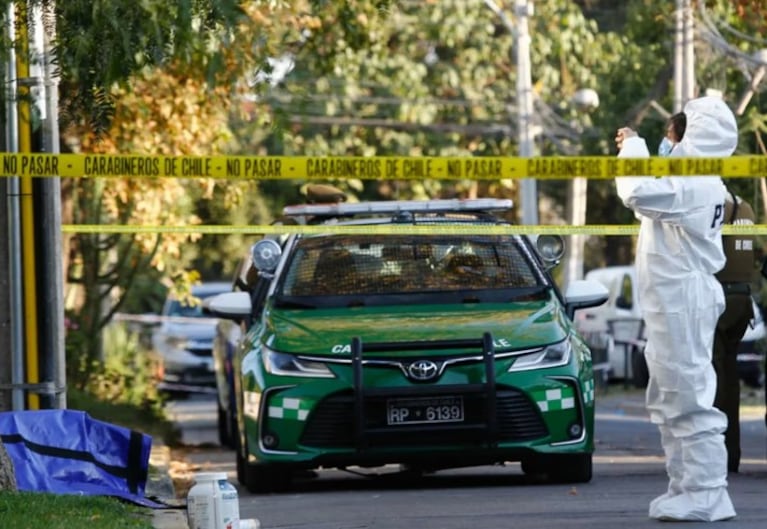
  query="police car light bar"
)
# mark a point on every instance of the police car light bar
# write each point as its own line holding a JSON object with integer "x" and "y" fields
{"x": 398, "y": 206}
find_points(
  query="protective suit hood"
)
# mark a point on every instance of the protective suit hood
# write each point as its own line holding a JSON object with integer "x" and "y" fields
{"x": 711, "y": 129}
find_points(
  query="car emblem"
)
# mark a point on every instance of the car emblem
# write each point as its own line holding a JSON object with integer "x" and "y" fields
{"x": 423, "y": 370}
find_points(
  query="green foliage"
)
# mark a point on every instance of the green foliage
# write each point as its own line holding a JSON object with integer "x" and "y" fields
{"x": 120, "y": 388}
{"x": 125, "y": 375}
{"x": 439, "y": 78}
{"x": 239, "y": 203}
{"x": 146, "y": 295}
{"x": 103, "y": 42}
{"x": 370, "y": 77}
{"x": 100, "y": 43}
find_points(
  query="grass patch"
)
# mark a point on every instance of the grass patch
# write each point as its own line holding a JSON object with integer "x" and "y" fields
{"x": 28, "y": 510}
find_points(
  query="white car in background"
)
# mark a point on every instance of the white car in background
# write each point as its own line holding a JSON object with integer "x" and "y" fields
{"x": 617, "y": 329}
{"x": 182, "y": 343}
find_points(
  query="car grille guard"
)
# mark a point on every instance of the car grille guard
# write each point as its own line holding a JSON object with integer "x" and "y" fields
{"x": 492, "y": 413}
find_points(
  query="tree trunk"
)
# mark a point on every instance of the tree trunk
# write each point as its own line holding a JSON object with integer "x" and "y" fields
{"x": 7, "y": 474}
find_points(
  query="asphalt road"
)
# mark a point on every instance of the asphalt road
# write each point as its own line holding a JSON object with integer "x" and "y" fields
{"x": 628, "y": 473}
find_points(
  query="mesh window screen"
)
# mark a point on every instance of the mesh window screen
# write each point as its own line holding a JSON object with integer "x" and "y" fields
{"x": 363, "y": 265}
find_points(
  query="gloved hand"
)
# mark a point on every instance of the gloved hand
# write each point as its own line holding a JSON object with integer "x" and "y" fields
{"x": 622, "y": 134}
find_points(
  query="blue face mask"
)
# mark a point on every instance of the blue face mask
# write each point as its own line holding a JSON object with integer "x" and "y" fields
{"x": 665, "y": 147}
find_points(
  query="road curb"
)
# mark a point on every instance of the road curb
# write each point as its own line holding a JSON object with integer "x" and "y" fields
{"x": 160, "y": 487}
{"x": 632, "y": 402}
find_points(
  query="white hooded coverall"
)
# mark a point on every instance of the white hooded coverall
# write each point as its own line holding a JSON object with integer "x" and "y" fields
{"x": 678, "y": 252}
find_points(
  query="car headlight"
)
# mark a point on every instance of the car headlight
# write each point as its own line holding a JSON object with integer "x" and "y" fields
{"x": 554, "y": 355}
{"x": 293, "y": 366}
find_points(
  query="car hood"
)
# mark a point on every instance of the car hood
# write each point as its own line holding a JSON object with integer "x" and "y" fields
{"x": 330, "y": 332}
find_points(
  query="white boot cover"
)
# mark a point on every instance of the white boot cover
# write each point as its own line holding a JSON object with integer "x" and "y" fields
{"x": 710, "y": 505}
{"x": 673, "y": 451}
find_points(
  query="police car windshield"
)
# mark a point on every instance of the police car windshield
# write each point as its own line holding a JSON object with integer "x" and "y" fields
{"x": 361, "y": 265}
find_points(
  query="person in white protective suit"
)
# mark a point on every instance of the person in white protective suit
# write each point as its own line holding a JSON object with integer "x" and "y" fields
{"x": 678, "y": 252}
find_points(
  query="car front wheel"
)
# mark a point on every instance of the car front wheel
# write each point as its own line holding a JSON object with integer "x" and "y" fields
{"x": 224, "y": 437}
{"x": 262, "y": 478}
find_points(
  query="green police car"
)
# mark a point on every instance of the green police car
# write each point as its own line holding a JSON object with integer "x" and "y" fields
{"x": 418, "y": 333}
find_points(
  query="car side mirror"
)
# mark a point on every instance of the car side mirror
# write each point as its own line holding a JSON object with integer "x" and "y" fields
{"x": 584, "y": 293}
{"x": 234, "y": 306}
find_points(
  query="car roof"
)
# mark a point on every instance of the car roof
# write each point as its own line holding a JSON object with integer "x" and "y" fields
{"x": 402, "y": 211}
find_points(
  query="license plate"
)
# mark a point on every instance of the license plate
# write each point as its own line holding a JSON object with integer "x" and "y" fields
{"x": 424, "y": 410}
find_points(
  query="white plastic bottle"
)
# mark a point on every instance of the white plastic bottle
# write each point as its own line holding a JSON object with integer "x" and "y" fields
{"x": 212, "y": 503}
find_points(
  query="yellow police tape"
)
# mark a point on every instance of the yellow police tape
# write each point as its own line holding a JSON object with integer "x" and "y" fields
{"x": 370, "y": 168}
{"x": 387, "y": 229}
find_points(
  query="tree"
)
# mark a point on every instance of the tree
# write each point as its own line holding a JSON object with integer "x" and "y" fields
{"x": 438, "y": 78}
{"x": 7, "y": 476}
{"x": 175, "y": 101}
{"x": 368, "y": 78}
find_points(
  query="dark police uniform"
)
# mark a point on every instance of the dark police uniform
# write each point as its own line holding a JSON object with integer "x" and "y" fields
{"x": 735, "y": 277}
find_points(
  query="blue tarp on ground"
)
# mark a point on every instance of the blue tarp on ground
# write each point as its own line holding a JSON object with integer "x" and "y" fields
{"x": 68, "y": 452}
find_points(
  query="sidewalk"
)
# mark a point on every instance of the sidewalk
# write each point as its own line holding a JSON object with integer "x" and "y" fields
{"x": 631, "y": 401}
{"x": 619, "y": 399}
{"x": 160, "y": 486}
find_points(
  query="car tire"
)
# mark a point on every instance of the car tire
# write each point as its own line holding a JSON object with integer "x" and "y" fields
{"x": 224, "y": 437}
{"x": 261, "y": 478}
{"x": 570, "y": 468}
{"x": 640, "y": 374}
{"x": 242, "y": 477}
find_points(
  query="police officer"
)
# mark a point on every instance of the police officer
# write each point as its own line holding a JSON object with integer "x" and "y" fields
{"x": 735, "y": 277}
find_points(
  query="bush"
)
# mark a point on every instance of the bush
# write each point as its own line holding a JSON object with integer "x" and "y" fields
{"x": 126, "y": 376}
{"x": 121, "y": 390}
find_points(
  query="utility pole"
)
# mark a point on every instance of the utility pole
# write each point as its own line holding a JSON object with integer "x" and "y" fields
{"x": 523, "y": 9}
{"x": 48, "y": 206}
{"x": 11, "y": 298}
{"x": 684, "y": 54}
{"x": 31, "y": 329}
{"x": 6, "y": 356}
{"x": 586, "y": 100}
